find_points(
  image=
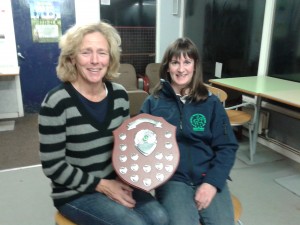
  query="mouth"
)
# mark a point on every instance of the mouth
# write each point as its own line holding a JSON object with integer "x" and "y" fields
{"x": 181, "y": 75}
{"x": 94, "y": 70}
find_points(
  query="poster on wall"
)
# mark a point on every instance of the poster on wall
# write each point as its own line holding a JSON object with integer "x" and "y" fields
{"x": 45, "y": 20}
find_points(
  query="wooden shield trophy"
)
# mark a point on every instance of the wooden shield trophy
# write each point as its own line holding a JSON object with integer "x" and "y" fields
{"x": 145, "y": 153}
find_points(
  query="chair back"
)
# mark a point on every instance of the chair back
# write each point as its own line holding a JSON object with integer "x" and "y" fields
{"x": 136, "y": 100}
{"x": 127, "y": 77}
{"x": 222, "y": 95}
{"x": 152, "y": 72}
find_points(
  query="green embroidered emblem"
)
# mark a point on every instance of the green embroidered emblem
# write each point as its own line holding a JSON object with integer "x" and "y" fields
{"x": 198, "y": 122}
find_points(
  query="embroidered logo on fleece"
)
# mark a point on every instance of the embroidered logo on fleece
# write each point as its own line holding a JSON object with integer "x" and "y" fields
{"x": 198, "y": 122}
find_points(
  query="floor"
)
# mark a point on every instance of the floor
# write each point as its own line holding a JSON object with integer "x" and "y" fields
{"x": 264, "y": 200}
{"x": 24, "y": 192}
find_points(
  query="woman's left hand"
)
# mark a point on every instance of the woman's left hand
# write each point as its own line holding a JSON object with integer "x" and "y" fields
{"x": 204, "y": 195}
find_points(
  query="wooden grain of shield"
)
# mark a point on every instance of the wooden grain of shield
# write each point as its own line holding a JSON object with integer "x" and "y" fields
{"x": 145, "y": 153}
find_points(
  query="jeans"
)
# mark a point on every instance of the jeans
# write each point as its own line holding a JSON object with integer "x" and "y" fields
{"x": 178, "y": 200}
{"x": 97, "y": 208}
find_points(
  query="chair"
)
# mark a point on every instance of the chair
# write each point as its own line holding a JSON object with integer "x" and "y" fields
{"x": 127, "y": 77}
{"x": 134, "y": 87}
{"x": 61, "y": 220}
{"x": 136, "y": 99}
{"x": 152, "y": 73}
{"x": 236, "y": 117}
{"x": 237, "y": 209}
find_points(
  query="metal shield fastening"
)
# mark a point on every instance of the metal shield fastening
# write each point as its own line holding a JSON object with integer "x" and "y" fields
{"x": 145, "y": 153}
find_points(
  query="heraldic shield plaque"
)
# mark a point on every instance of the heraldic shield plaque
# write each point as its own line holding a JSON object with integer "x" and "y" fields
{"x": 145, "y": 153}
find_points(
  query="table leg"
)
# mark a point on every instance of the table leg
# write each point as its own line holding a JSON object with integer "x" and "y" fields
{"x": 255, "y": 127}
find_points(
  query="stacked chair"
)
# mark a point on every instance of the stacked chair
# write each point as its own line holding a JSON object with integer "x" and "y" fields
{"x": 152, "y": 75}
{"x": 135, "y": 86}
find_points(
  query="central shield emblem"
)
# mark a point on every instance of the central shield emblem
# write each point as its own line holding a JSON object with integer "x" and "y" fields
{"x": 145, "y": 141}
{"x": 145, "y": 153}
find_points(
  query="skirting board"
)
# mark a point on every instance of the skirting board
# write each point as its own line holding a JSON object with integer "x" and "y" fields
{"x": 7, "y": 125}
{"x": 284, "y": 151}
{"x": 277, "y": 148}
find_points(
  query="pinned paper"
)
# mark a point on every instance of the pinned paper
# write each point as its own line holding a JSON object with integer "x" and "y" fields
{"x": 218, "y": 70}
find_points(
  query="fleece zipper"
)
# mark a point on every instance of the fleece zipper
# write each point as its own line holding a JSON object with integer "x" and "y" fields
{"x": 180, "y": 107}
{"x": 190, "y": 161}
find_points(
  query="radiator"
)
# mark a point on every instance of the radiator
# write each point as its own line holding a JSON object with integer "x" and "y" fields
{"x": 263, "y": 119}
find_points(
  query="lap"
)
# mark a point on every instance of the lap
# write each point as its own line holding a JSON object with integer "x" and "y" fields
{"x": 178, "y": 199}
{"x": 220, "y": 210}
{"x": 98, "y": 209}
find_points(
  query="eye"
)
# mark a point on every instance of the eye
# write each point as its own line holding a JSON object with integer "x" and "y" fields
{"x": 188, "y": 62}
{"x": 102, "y": 53}
{"x": 85, "y": 52}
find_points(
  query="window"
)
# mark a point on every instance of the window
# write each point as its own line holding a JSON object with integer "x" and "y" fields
{"x": 136, "y": 22}
{"x": 285, "y": 47}
{"x": 228, "y": 32}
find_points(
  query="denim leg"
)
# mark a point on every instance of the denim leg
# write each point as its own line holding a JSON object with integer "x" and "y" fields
{"x": 98, "y": 209}
{"x": 220, "y": 211}
{"x": 178, "y": 200}
{"x": 151, "y": 210}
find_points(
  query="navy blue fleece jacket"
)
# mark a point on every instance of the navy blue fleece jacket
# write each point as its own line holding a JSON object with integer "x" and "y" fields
{"x": 205, "y": 138}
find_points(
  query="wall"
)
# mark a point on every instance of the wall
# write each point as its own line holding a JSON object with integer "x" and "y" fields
{"x": 169, "y": 25}
{"x": 8, "y": 50}
{"x": 11, "y": 104}
{"x": 86, "y": 13}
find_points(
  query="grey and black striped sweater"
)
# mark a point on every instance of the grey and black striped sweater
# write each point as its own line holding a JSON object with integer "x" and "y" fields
{"x": 75, "y": 149}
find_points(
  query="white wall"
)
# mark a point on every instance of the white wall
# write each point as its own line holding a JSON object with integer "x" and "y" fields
{"x": 169, "y": 24}
{"x": 87, "y": 11}
{"x": 11, "y": 104}
{"x": 8, "y": 52}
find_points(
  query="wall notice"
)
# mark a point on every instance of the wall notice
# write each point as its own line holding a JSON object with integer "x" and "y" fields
{"x": 45, "y": 20}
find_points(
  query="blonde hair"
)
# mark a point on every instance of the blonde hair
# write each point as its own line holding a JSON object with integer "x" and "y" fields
{"x": 69, "y": 45}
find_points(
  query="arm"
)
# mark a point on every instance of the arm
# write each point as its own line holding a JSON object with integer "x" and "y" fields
{"x": 52, "y": 137}
{"x": 224, "y": 145}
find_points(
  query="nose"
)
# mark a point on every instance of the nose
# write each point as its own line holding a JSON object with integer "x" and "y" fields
{"x": 180, "y": 67}
{"x": 94, "y": 58}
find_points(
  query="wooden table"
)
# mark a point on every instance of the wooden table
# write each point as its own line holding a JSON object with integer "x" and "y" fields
{"x": 279, "y": 90}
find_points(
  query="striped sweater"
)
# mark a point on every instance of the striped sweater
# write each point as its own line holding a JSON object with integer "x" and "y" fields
{"x": 75, "y": 149}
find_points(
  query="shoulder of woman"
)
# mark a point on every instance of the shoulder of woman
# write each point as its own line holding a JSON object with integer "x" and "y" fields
{"x": 58, "y": 92}
{"x": 117, "y": 86}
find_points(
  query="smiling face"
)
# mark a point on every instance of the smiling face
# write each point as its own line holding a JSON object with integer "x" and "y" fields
{"x": 92, "y": 60}
{"x": 181, "y": 71}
